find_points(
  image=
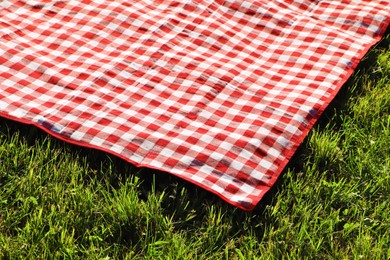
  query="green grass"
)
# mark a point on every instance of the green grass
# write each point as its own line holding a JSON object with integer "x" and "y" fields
{"x": 331, "y": 202}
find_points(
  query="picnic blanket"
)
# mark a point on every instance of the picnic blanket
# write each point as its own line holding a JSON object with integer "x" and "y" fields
{"x": 219, "y": 93}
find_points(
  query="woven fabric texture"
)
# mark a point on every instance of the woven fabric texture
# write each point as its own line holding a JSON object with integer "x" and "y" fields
{"x": 219, "y": 93}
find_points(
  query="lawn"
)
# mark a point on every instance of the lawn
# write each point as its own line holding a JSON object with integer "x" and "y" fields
{"x": 331, "y": 202}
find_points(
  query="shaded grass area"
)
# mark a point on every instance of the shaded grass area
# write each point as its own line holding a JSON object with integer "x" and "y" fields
{"x": 331, "y": 202}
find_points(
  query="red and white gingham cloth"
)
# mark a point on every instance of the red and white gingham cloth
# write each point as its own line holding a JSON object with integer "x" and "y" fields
{"x": 219, "y": 93}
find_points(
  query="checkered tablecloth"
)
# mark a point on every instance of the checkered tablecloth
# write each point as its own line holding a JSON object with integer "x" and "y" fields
{"x": 219, "y": 93}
